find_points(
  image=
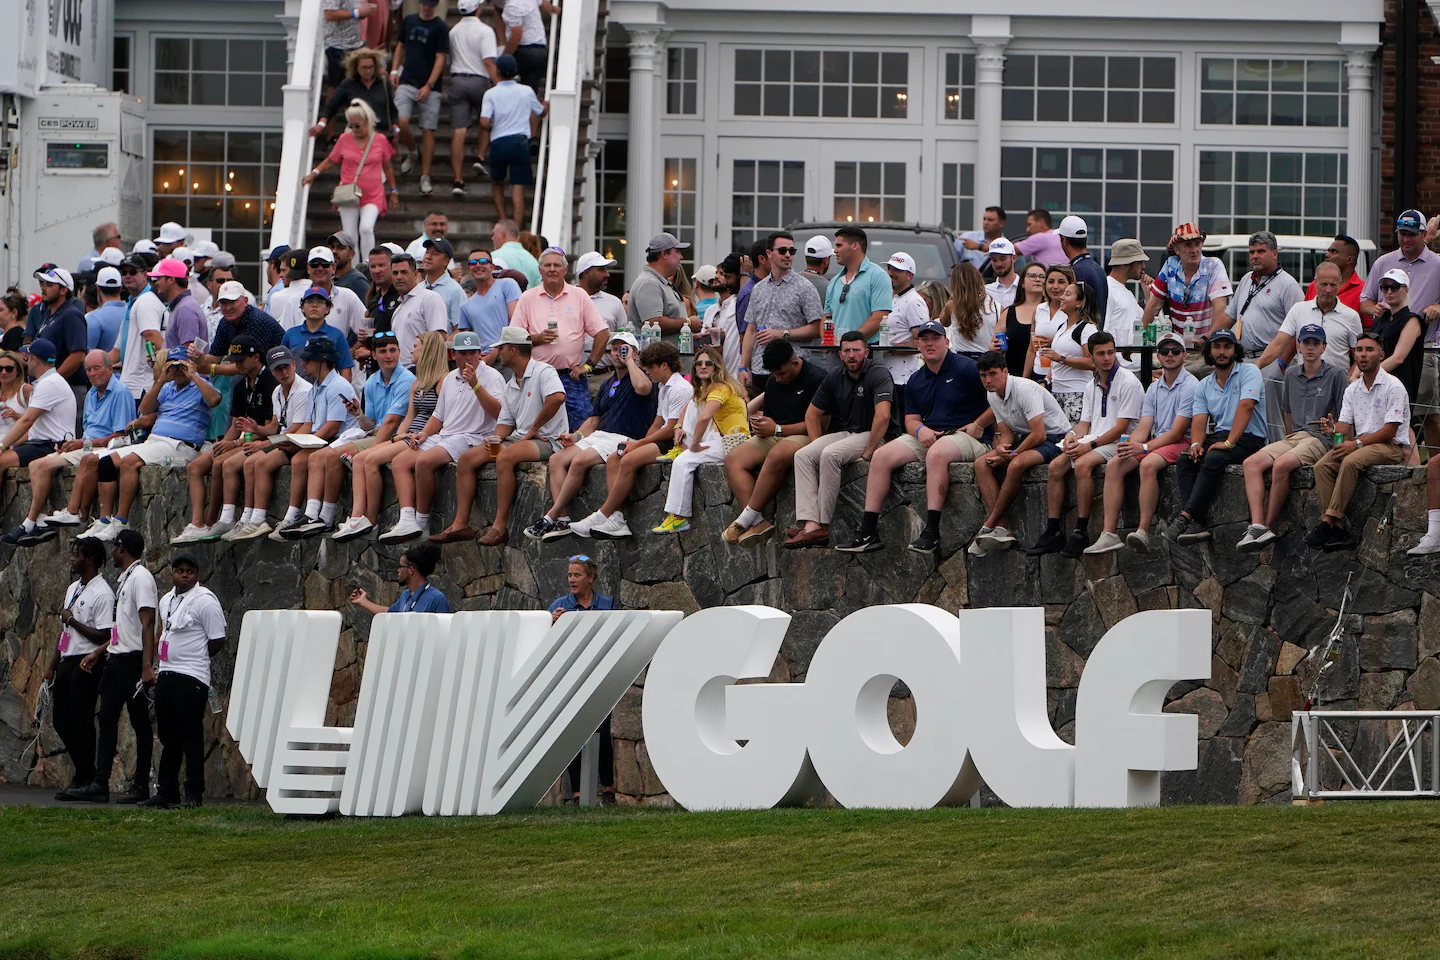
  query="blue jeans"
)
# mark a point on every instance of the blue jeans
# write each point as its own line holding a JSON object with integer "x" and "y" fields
{"x": 577, "y": 399}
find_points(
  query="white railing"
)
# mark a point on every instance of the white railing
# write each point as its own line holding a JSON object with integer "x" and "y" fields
{"x": 300, "y": 107}
{"x": 573, "y": 58}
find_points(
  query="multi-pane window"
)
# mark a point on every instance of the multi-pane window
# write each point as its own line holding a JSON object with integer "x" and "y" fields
{"x": 1281, "y": 93}
{"x": 610, "y": 188}
{"x": 1283, "y": 192}
{"x": 959, "y": 86}
{"x": 816, "y": 83}
{"x": 957, "y": 195}
{"x": 1120, "y": 191}
{"x": 1086, "y": 89}
{"x": 223, "y": 180}
{"x": 615, "y": 92}
{"x": 122, "y": 66}
{"x": 222, "y": 73}
{"x": 869, "y": 191}
{"x": 765, "y": 195}
{"x": 682, "y": 81}
{"x": 679, "y": 203}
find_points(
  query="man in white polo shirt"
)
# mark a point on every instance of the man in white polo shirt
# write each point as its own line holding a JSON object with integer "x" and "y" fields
{"x": 193, "y": 631}
{"x": 50, "y": 419}
{"x": 1007, "y": 282}
{"x": 506, "y": 115}
{"x": 74, "y": 672}
{"x": 418, "y": 310}
{"x": 347, "y": 311}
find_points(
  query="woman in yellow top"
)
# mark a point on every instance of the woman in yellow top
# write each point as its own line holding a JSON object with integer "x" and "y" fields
{"x": 715, "y": 414}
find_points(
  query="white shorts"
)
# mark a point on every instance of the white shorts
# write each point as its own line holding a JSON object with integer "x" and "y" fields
{"x": 454, "y": 444}
{"x": 605, "y": 444}
{"x": 158, "y": 451}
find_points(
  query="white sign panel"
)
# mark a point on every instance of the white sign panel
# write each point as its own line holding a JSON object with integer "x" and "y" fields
{"x": 477, "y": 713}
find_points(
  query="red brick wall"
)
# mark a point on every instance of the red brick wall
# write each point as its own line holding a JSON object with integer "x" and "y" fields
{"x": 1428, "y": 181}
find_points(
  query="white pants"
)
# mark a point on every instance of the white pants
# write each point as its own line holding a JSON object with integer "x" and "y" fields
{"x": 682, "y": 474}
{"x": 359, "y": 222}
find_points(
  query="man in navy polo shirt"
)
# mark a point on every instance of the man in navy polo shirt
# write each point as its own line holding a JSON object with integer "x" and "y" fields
{"x": 624, "y": 410}
{"x": 947, "y": 418}
{"x": 416, "y": 565}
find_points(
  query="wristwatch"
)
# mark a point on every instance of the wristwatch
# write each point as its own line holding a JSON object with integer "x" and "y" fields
{"x": 1359, "y": 443}
{"x": 1144, "y": 448}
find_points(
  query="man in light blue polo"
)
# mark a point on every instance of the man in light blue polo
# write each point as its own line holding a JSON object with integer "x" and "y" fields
{"x": 1227, "y": 424}
{"x": 490, "y": 307}
{"x": 859, "y": 296}
{"x": 505, "y": 116}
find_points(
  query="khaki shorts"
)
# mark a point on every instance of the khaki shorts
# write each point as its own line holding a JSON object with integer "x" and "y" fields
{"x": 1304, "y": 447}
{"x": 1429, "y": 400}
{"x": 970, "y": 448}
{"x": 546, "y": 448}
{"x": 766, "y": 444}
{"x": 364, "y": 443}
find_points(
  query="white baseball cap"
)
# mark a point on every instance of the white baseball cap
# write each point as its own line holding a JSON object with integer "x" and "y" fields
{"x": 171, "y": 232}
{"x": 144, "y": 246}
{"x": 321, "y": 253}
{"x": 183, "y": 253}
{"x": 705, "y": 274}
{"x": 1074, "y": 228}
{"x": 394, "y": 248}
{"x": 58, "y": 275}
{"x": 902, "y": 261}
{"x": 231, "y": 290}
{"x": 1397, "y": 276}
{"x": 498, "y": 264}
{"x": 819, "y": 247}
{"x": 1002, "y": 247}
{"x": 206, "y": 248}
{"x": 586, "y": 261}
{"x": 114, "y": 256}
{"x": 468, "y": 7}
{"x": 108, "y": 277}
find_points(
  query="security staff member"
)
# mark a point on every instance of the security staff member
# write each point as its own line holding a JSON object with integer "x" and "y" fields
{"x": 129, "y": 669}
{"x": 74, "y": 671}
{"x": 193, "y": 631}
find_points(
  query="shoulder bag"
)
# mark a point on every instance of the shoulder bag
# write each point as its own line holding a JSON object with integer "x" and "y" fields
{"x": 348, "y": 194}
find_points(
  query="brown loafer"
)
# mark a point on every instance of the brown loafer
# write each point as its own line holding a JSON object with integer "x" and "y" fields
{"x": 733, "y": 533}
{"x": 792, "y": 532}
{"x": 494, "y": 538}
{"x": 453, "y": 536}
{"x": 814, "y": 538}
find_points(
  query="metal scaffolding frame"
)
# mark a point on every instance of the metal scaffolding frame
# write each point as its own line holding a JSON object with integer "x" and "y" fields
{"x": 1312, "y": 735}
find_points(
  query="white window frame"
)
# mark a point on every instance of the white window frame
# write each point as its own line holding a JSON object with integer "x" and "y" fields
{"x": 850, "y": 207}
{"x": 729, "y": 83}
{"x": 672, "y": 197}
{"x": 1270, "y": 92}
{"x": 128, "y": 68}
{"x": 612, "y": 245}
{"x": 943, "y": 92}
{"x": 1070, "y": 55}
{"x": 697, "y": 83}
{"x": 959, "y": 221}
{"x": 282, "y": 73}
{"x": 1341, "y": 186}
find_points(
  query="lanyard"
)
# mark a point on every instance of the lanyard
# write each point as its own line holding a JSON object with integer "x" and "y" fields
{"x": 1256, "y": 288}
{"x": 73, "y": 594}
{"x": 415, "y": 597}
{"x": 124, "y": 579}
{"x": 183, "y": 602}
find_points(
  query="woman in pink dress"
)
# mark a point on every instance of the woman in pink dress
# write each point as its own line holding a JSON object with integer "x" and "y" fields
{"x": 359, "y": 220}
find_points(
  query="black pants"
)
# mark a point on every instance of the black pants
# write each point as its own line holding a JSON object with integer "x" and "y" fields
{"x": 1199, "y": 480}
{"x": 117, "y": 695}
{"x": 607, "y": 761}
{"x": 75, "y": 693}
{"x": 180, "y": 717}
{"x": 531, "y": 59}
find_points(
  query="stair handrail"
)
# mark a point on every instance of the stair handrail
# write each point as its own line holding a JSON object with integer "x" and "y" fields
{"x": 300, "y": 105}
{"x": 572, "y": 50}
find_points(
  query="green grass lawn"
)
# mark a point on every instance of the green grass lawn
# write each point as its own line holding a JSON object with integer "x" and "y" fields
{"x": 1344, "y": 880}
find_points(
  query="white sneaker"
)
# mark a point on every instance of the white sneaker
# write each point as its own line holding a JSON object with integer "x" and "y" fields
{"x": 1430, "y": 543}
{"x": 407, "y": 163}
{"x": 237, "y": 532}
{"x": 1256, "y": 536}
{"x": 404, "y": 530}
{"x": 61, "y": 518}
{"x": 191, "y": 534}
{"x": 112, "y": 530}
{"x": 1107, "y": 543}
{"x": 352, "y": 528}
{"x": 976, "y": 548}
{"x": 94, "y": 531}
{"x": 615, "y": 528}
{"x": 220, "y": 529}
{"x": 425, "y": 187}
{"x": 253, "y": 531}
{"x": 583, "y": 527}
{"x": 1139, "y": 541}
{"x": 998, "y": 537}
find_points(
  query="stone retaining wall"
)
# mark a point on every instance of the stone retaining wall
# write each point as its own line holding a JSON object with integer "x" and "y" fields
{"x": 1268, "y": 609}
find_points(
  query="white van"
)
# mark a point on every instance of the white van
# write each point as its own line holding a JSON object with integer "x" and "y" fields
{"x": 1298, "y": 255}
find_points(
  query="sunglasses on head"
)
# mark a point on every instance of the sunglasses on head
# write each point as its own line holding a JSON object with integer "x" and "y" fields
{"x": 579, "y": 558}
{"x": 785, "y": 251}
{"x": 1171, "y": 350}
{"x": 477, "y": 261}
{"x": 382, "y": 334}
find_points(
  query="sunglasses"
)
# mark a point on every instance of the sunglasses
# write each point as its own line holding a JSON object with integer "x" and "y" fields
{"x": 321, "y": 263}
{"x": 130, "y": 272}
{"x": 382, "y": 334}
{"x": 1387, "y": 287}
{"x": 579, "y": 558}
{"x": 8, "y": 368}
{"x": 1170, "y": 351}
{"x": 786, "y": 251}
{"x": 844, "y": 292}
{"x": 478, "y": 261}
{"x": 703, "y": 363}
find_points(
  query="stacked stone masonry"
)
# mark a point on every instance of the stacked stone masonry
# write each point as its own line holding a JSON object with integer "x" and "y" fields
{"x": 1268, "y": 609}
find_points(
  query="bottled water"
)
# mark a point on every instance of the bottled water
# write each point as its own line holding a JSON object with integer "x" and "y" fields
{"x": 687, "y": 341}
{"x": 1189, "y": 334}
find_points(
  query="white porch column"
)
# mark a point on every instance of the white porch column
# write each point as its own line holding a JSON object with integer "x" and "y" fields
{"x": 643, "y": 187}
{"x": 1359, "y": 41}
{"x": 990, "y": 34}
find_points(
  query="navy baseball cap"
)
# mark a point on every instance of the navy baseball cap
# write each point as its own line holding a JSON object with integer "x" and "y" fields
{"x": 314, "y": 292}
{"x": 506, "y": 66}
{"x": 278, "y": 253}
{"x": 441, "y": 244}
{"x": 1225, "y": 334}
{"x": 929, "y": 326}
{"x": 320, "y": 348}
{"x": 1411, "y": 221}
{"x": 1312, "y": 331}
{"x": 42, "y": 349}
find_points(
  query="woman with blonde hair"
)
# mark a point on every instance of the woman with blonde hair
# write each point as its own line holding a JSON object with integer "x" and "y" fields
{"x": 1070, "y": 363}
{"x": 971, "y": 315}
{"x": 366, "y": 487}
{"x": 363, "y": 155}
{"x": 686, "y": 289}
{"x": 936, "y": 296}
{"x": 14, "y": 391}
{"x": 1048, "y": 318}
{"x": 715, "y": 421}
{"x": 364, "y": 80}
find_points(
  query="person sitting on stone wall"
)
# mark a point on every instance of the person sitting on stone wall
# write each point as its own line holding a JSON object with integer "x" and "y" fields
{"x": 1167, "y": 410}
{"x": 623, "y": 410}
{"x": 946, "y": 420}
{"x": 777, "y": 420}
{"x": 1029, "y": 425}
{"x": 465, "y": 416}
{"x": 334, "y": 412}
{"x": 1374, "y": 425}
{"x": 290, "y": 403}
{"x": 176, "y": 410}
{"x": 1112, "y": 404}
{"x": 1313, "y": 391}
{"x": 661, "y": 363}
{"x": 855, "y": 400}
{"x": 109, "y": 408}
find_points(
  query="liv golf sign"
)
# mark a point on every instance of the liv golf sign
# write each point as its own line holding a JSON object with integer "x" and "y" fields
{"x": 478, "y": 713}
